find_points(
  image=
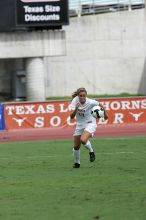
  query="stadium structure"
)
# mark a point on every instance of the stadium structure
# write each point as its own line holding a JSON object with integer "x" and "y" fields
{"x": 47, "y": 52}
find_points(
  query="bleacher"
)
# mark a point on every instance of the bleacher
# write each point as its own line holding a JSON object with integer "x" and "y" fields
{"x": 86, "y": 7}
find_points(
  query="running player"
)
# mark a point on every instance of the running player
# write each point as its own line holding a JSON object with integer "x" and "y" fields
{"x": 85, "y": 123}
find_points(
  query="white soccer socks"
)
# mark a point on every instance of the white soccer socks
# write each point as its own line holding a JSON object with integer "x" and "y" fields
{"x": 76, "y": 155}
{"x": 89, "y": 146}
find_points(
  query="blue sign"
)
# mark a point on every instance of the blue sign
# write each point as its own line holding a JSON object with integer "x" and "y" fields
{"x": 2, "y": 122}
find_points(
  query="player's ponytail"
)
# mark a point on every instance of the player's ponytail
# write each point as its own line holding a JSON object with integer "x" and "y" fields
{"x": 76, "y": 93}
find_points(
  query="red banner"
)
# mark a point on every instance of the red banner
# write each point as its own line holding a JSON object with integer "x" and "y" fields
{"x": 56, "y": 114}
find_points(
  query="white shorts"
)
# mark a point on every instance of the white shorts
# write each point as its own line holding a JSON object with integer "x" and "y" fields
{"x": 91, "y": 128}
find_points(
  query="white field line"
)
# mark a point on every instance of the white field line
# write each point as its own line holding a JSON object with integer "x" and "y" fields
{"x": 53, "y": 156}
{"x": 121, "y": 152}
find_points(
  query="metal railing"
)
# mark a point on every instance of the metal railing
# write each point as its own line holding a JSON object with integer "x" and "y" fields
{"x": 84, "y": 7}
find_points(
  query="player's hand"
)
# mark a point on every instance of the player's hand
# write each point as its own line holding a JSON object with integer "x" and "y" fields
{"x": 78, "y": 105}
{"x": 105, "y": 115}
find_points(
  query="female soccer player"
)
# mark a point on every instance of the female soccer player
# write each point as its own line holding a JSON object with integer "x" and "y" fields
{"x": 85, "y": 123}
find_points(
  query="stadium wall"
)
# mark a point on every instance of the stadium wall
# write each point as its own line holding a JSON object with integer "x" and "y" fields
{"x": 105, "y": 54}
{"x": 22, "y": 62}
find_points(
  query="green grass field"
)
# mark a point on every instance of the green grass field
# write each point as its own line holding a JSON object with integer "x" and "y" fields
{"x": 37, "y": 181}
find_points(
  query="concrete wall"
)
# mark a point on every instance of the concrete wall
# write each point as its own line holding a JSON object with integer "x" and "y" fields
{"x": 18, "y": 50}
{"x": 23, "y": 44}
{"x": 105, "y": 54}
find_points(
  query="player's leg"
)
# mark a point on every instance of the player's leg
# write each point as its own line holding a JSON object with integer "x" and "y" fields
{"x": 77, "y": 143}
{"x": 88, "y": 132}
{"x": 85, "y": 140}
{"x": 76, "y": 151}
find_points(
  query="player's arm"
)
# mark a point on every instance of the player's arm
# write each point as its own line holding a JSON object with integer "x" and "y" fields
{"x": 74, "y": 112}
{"x": 105, "y": 113}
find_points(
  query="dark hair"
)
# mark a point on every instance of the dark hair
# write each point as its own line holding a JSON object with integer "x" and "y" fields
{"x": 77, "y": 92}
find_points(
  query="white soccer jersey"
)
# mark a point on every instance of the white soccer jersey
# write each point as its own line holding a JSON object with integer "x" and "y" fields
{"x": 83, "y": 116}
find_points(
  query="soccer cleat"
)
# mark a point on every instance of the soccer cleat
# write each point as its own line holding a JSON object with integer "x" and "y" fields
{"x": 92, "y": 156}
{"x": 76, "y": 165}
